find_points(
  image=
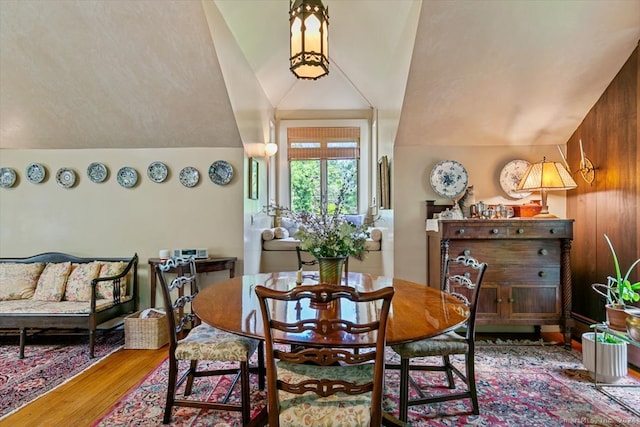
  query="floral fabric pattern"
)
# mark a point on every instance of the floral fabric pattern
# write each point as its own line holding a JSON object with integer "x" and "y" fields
{"x": 52, "y": 281}
{"x": 309, "y": 409}
{"x": 18, "y": 281}
{"x": 205, "y": 342}
{"x": 449, "y": 343}
{"x": 109, "y": 269}
{"x": 79, "y": 282}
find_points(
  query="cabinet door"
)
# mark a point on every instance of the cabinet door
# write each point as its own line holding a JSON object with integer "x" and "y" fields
{"x": 534, "y": 301}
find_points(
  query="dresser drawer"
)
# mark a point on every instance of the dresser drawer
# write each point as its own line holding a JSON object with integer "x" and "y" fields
{"x": 518, "y": 252}
{"x": 514, "y": 274}
{"x": 506, "y": 229}
{"x": 558, "y": 230}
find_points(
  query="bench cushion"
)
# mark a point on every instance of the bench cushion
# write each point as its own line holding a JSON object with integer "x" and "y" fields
{"x": 18, "y": 281}
{"x": 52, "y": 281}
{"x": 53, "y": 307}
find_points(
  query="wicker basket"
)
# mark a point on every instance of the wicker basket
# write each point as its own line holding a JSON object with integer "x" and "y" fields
{"x": 150, "y": 333}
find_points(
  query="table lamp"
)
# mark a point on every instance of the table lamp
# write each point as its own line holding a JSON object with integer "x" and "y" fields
{"x": 546, "y": 176}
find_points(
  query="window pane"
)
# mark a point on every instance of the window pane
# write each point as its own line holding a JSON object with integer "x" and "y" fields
{"x": 305, "y": 185}
{"x": 337, "y": 172}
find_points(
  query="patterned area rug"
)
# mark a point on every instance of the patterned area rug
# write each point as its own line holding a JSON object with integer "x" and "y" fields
{"x": 46, "y": 366}
{"x": 531, "y": 385}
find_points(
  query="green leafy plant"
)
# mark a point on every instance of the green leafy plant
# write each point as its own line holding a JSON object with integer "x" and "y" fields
{"x": 619, "y": 288}
{"x": 607, "y": 337}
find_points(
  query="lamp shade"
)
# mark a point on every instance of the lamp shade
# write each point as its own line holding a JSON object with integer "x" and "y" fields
{"x": 270, "y": 149}
{"x": 546, "y": 176}
{"x": 309, "y": 22}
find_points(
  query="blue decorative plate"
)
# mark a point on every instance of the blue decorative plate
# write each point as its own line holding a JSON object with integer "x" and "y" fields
{"x": 36, "y": 173}
{"x": 66, "y": 177}
{"x": 97, "y": 172}
{"x": 221, "y": 172}
{"x": 7, "y": 177}
{"x": 510, "y": 177}
{"x": 449, "y": 179}
{"x": 157, "y": 172}
{"x": 127, "y": 177}
{"x": 189, "y": 176}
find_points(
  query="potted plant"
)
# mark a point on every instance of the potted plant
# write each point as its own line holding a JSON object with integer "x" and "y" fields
{"x": 618, "y": 291}
{"x": 329, "y": 236}
{"x": 611, "y": 357}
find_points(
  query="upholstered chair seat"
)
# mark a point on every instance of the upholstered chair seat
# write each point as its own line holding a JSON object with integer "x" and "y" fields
{"x": 205, "y": 342}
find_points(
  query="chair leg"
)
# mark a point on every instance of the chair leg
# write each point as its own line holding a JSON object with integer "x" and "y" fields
{"x": 262, "y": 370}
{"x": 193, "y": 367}
{"x": 404, "y": 389}
{"x": 449, "y": 371}
{"x": 171, "y": 390}
{"x": 471, "y": 380}
{"x": 244, "y": 387}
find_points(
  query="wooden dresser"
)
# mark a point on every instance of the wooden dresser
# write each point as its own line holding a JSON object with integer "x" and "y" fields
{"x": 528, "y": 281}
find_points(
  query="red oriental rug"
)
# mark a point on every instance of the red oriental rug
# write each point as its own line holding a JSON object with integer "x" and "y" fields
{"x": 529, "y": 386}
{"x": 49, "y": 362}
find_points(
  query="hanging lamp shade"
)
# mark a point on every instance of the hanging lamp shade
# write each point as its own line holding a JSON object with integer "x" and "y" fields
{"x": 308, "y": 23}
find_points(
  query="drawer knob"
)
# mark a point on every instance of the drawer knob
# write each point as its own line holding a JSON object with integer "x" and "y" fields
{"x": 499, "y": 300}
{"x": 552, "y": 231}
{"x": 543, "y": 252}
{"x": 461, "y": 231}
{"x": 542, "y": 273}
{"x": 511, "y": 300}
{"x": 494, "y": 231}
{"x": 520, "y": 230}
{"x": 467, "y": 252}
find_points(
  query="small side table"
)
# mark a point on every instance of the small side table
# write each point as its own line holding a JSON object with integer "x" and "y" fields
{"x": 205, "y": 265}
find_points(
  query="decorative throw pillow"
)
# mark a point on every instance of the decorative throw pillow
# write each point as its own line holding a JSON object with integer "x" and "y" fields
{"x": 79, "y": 282}
{"x": 18, "y": 281}
{"x": 268, "y": 234}
{"x": 104, "y": 290}
{"x": 355, "y": 219}
{"x": 376, "y": 234}
{"x": 281, "y": 233}
{"x": 291, "y": 226}
{"x": 52, "y": 281}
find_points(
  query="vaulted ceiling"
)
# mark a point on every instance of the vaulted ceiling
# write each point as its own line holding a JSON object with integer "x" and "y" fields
{"x": 148, "y": 73}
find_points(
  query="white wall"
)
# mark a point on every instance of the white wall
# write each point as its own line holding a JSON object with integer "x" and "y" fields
{"x": 411, "y": 187}
{"x": 108, "y": 220}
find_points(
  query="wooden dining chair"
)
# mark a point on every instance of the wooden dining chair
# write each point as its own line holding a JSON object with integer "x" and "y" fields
{"x": 305, "y": 258}
{"x": 193, "y": 341}
{"x": 462, "y": 279}
{"x": 330, "y": 385}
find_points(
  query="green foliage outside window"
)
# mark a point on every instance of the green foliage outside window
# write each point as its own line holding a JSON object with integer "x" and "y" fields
{"x": 306, "y": 185}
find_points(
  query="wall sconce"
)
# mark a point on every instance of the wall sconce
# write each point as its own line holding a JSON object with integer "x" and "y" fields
{"x": 309, "y": 39}
{"x": 546, "y": 176}
{"x": 270, "y": 149}
{"x": 587, "y": 170}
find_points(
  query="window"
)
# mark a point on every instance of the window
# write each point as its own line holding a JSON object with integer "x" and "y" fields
{"x": 320, "y": 161}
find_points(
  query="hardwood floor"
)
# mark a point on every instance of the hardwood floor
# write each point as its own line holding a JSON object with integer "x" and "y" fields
{"x": 84, "y": 399}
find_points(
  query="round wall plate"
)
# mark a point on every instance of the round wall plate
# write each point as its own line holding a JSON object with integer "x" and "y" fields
{"x": 157, "y": 172}
{"x": 97, "y": 172}
{"x": 127, "y": 177}
{"x": 449, "y": 179}
{"x": 36, "y": 173}
{"x": 221, "y": 172}
{"x": 8, "y": 177}
{"x": 66, "y": 177}
{"x": 511, "y": 175}
{"x": 189, "y": 176}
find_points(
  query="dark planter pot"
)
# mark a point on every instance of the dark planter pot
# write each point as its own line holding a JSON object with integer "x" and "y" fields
{"x": 616, "y": 317}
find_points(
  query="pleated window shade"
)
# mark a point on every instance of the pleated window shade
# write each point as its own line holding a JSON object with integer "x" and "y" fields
{"x": 323, "y": 143}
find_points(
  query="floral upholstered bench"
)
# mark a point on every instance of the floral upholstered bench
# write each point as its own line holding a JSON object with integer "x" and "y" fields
{"x": 60, "y": 293}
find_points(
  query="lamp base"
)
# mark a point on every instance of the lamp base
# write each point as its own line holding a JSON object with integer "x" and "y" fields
{"x": 545, "y": 215}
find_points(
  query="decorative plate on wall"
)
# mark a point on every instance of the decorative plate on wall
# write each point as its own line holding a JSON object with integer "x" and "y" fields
{"x": 157, "y": 172}
{"x": 66, "y": 177}
{"x": 510, "y": 177}
{"x": 7, "y": 177}
{"x": 97, "y": 172}
{"x": 221, "y": 172}
{"x": 189, "y": 176}
{"x": 36, "y": 173}
{"x": 449, "y": 179}
{"x": 127, "y": 177}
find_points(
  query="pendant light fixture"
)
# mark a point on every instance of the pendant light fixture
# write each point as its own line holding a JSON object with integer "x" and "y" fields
{"x": 308, "y": 23}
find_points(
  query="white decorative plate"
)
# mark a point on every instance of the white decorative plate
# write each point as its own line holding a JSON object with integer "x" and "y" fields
{"x": 510, "y": 177}
{"x": 449, "y": 179}
{"x": 66, "y": 177}
{"x": 7, "y": 177}
{"x": 127, "y": 177}
{"x": 221, "y": 172}
{"x": 36, "y": 173}
{"x": 97, "y": 172}
{"x": 189, "y": 176}
{"x": 157, "y": 172}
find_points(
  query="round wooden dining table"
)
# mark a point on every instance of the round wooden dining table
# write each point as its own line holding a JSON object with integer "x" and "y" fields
{"x": 417, "y": 310}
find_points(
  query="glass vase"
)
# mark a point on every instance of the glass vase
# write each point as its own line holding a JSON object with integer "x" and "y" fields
{"x": 331, "y": 270}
